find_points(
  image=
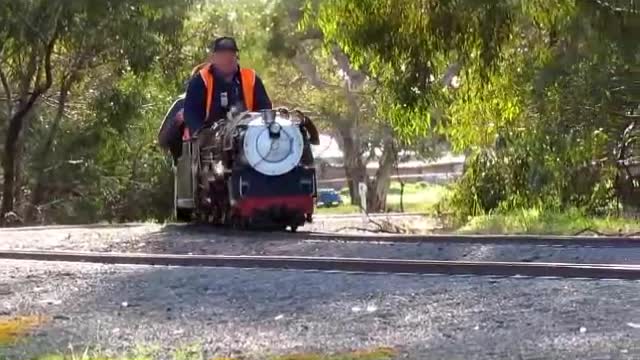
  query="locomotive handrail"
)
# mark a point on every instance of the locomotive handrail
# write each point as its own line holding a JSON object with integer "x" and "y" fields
{"x": 305, "y": 122}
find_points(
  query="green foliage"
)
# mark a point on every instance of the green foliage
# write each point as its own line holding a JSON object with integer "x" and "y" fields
{"x": 538, "y": 221}
{"x": 546, "y": 91}
{"x": 542, "y": 95}
{"x": 562, "y": 121}
{"x": 89, "y": 141}
{"x": 408, "y": 46}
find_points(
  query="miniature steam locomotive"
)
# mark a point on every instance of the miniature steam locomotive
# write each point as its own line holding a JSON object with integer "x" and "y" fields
{"x": 250, "y": 170}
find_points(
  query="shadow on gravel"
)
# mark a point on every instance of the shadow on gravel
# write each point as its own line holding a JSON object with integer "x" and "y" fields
{"x": 210, "y": 240}
{"x": 202, "y": 239}
{"x": 231, "y": 311}
{"x": 70, "y": 227}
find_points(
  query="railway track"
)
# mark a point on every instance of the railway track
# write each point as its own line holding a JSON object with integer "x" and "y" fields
{"x": 560, "y": 241}
{"x": 542, "y": 240}
{"x": 321, "y": 216}
{"x": 362, "y": 265}
{"x": 621, "y": 241}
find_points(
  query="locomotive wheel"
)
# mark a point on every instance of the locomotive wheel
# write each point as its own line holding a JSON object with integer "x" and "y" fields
{"x": 184, "y": 215}
{"x": 202, "y": 218}
{"x": 217, "y": 216}
{"x": 238, "y": 223}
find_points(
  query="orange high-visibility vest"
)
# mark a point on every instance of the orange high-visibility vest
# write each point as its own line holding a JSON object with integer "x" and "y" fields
{"x": 247, "y": 79}
{"x": 199, "y": 67}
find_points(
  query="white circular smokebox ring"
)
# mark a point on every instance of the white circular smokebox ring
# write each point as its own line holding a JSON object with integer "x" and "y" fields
{"x": 269, "y": 155}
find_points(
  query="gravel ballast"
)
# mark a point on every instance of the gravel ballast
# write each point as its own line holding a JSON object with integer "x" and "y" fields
{"x": 195, "y": 240}
{"x": 255, "y": 312}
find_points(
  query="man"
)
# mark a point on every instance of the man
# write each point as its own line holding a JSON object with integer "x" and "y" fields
{"x": 171, "y": 132}
{"x": 222, "y": 85}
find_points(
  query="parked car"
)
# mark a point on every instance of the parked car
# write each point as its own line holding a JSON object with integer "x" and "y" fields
{"x": 328, "y": 198}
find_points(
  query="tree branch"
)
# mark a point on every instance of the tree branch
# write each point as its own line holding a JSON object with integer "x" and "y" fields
{"x": 623, "y": 115}
{"x": 618, "y": 10}
{"x": 308, "y": 68}
{"x": 41, "y": 88}
{"x": 355, "y": 78}
{"x": 7, "y": 91}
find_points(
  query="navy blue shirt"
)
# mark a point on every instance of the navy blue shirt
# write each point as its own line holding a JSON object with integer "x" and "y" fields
{"x": 195, "y": 102}
{"x": 170, "y": 131}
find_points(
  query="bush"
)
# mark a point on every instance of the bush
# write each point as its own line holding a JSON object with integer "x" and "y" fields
{"x": 524, "y": 176}
{"x": 540, "y": 221}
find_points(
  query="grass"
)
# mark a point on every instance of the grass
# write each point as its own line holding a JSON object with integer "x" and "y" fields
{"x": 417, "y": 197}
{"x": 194, "y": 353}
{"x": 535, "y": 221}
{"x": 422, "y": 198}
{"x": 13, "y": 329}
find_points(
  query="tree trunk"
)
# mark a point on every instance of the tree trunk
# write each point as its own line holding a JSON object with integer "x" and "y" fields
{"x": 18, "y": 182}
{"x": 16, "y": 120}
{"x": 45, "y": 152}
{"x": 9, "y": 164}
{"x": 12, "y": 192}
{"x": 378, "y": 187}
{"x": 355, "y": 169}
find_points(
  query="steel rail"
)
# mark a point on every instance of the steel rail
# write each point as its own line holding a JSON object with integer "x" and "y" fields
{"x": 445, "y": 239}
{"x": 322, "y": 217}
{"x": 72, "y": 227}
{"x": 395, "y": 266}
{"x": 542, "y": 240}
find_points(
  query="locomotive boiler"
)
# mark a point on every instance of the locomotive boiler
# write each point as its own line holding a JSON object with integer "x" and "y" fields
{"x": 250, "y": 170}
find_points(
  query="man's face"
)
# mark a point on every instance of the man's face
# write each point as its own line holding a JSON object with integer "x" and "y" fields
{"x": 226, "y": 61}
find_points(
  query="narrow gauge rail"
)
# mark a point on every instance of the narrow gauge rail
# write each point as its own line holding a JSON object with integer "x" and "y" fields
{"x": 622, "y": 241}
{"x": 542, "y": 240}
{"x": 363, "y": 265}
{"x": 322, "y": 216}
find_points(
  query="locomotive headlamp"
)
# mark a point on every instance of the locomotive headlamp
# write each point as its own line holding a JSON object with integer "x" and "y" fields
{"x": 274, "y": 130}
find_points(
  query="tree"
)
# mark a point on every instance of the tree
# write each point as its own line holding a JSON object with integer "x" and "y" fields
{"x": 44, "y": 43}
{"x": 340, "y": 94}
{"x": 413, "y": 48}
{"x": 30, "y": 49}
{"x": 546, "y": 89}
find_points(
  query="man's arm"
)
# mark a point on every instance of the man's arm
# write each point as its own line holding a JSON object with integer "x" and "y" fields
{"x": 169, "y": 130}
{"x": 262, "y": 99}
{"x": 194, "y": 104}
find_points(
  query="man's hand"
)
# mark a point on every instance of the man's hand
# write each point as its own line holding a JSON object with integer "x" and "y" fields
{"x": 180, "y": 117}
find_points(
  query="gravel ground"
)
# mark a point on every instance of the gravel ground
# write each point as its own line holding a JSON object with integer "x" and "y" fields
{"x": 351, "y": 223}
{"x": 251, "y": 312}
{"x": 80, "y": 238}
{"x": 189, "y": 239}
